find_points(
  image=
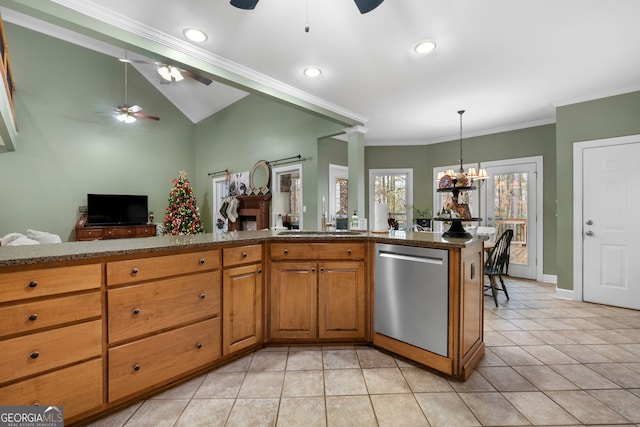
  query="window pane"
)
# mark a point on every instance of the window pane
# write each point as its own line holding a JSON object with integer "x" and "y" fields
{"x": 392, "y": 190}
{"x": 342, "y": 199}
{"x": 510, "y": 206}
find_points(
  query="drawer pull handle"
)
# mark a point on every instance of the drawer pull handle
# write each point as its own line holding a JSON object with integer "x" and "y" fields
{"x": 33, "y": 284}
{"x": 134, "y": 270}
{"x": 34, "y": 355}
{"x": 136, "y": 367}
{"x": 203, "y": 296}
{"x": 136, "y": 311}
{"x": 199, "y": 345}
{"x": 348, "y": 251}
{"x": 286, "y": 251}
{"x": 201, "y": 261}
{"x": 33, "y": 317}
{"x": 244, "y": 254}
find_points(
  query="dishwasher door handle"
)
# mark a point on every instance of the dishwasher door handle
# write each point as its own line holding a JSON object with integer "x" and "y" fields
{"x": 426, "y": 260}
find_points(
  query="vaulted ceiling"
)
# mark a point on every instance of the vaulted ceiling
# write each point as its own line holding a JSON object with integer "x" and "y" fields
{"x": 508, "y": 63}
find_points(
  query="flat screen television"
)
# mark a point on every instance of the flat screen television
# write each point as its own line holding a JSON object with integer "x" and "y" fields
{"x": 116, "y": 209}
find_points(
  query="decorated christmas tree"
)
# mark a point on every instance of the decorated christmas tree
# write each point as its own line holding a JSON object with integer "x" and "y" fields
{"x": 182, "y": 215}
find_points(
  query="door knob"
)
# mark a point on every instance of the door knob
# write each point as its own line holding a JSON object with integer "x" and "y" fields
{"x": 589, "y": 233}
{"x": 589, "y": 222}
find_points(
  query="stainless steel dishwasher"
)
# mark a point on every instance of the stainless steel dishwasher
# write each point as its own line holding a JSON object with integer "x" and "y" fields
{"x": 412, "y": 295}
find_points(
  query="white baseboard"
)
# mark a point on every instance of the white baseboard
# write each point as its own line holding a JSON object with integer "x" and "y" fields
{"x": 566, "y": 294}
{"x": 550, "y": 278}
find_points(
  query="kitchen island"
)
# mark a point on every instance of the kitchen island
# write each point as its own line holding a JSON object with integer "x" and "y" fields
{"x": 97, "y": 325}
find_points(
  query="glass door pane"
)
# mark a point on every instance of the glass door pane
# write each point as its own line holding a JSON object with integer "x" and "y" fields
{"x": 510, "y": 203}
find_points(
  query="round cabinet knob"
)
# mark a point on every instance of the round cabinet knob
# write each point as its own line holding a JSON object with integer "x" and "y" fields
{"x": 134, "y": 270}
{"x": 201, "y": 261}
{"x": 244, "y": 255}
{"x": 136, "y": 311}
{"x": 313, "y": 270}
{"x": 348, "y": 251}
{"x": 136, "y": 367}
{"x": 199, "y": 345}
{"x": 203, "y": 296}
{"x": 259, "y": 270}
{"x": 33, "y": 317}
{"x": 286, "y": 251}
{"x": 321, "y": 268}
{"x": 34, "y": 355}
{"x": 33, "y": 284}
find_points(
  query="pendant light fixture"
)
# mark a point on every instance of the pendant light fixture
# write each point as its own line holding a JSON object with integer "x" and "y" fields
{"x": 463, "y": 178}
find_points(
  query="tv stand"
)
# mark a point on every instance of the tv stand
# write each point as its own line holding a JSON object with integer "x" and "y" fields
{"x": 103, "y": 232}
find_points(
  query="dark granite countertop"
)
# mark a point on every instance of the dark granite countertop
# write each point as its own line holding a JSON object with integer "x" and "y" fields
{"x": 69, "y": 251}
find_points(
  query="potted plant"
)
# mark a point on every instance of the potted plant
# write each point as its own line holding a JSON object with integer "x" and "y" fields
{"x": 423, "y": 217}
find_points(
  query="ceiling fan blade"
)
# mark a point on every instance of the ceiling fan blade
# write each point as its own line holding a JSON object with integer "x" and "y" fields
{"x": 145, "y": 116}
{"x": 244, "y": 4}
{"x": 198, "y": 77}
{"x": 138, "y": 61}
{"x": 367, "y": 5}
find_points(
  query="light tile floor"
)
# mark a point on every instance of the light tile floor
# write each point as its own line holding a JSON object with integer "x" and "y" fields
{"x": 548, "y": 362}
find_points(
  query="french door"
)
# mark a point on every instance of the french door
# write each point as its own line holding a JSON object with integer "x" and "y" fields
{"x": 510, "y": 201}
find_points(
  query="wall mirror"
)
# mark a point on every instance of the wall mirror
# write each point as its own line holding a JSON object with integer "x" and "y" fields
{"x": 260, "y": 177}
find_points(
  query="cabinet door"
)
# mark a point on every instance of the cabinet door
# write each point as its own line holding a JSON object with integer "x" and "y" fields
{"x": 341, "y": 302}
{"x": 293, "y": 300}
{"x": 242, "y": 308}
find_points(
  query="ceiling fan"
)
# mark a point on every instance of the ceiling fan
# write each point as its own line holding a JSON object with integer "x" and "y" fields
{"x": 171, "y": 73}
{"x": 363, "y": 5}
{"x": 126, "y": 113}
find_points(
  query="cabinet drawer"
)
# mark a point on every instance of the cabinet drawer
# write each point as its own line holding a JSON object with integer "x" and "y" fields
{"x": 241, "y": 255}
{"x": 78, "y": 388}
{"x": 31, "y": 316}
{"x": 90, "y": 234}
{"x": 342, "y": 250}
{"x": 142, "y": 309}
{"x": 146, "y": 230}
{"x": 38, "y": 352}
{"x": 136, "y": 270}
{"x": 37, "y": 283}
{"x": 120, "y": 232}
{"x": 155, "y": 360}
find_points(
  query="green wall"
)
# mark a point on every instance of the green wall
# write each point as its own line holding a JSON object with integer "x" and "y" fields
{"x": 254, "y": 129}
{"x": 602, "y": 118}
{"x": 69, "y": 144}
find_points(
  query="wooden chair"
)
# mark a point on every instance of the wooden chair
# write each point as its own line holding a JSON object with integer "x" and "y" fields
{"x": 497, "y": 264}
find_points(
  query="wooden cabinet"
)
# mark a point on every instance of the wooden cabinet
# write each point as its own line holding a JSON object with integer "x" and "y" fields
{"x": 323, "y": 296}
{"x": 163, "y": 319}
{"x": 51, "y": 338}
{"x": 242, "y": 298}
{"x": 253, "y": 213}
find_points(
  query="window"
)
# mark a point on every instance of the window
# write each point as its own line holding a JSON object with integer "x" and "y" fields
{"x": 395, "y": 188}
{"x": 339, "y": 195}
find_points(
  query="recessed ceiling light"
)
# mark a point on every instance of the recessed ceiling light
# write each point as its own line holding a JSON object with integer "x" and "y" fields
{"x": 425, "y": 47}
{"x": 195, "y": 35}
{"x": 312, "y": 72}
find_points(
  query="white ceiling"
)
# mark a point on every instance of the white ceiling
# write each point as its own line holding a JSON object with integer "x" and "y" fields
{"x": 508, "y": 63}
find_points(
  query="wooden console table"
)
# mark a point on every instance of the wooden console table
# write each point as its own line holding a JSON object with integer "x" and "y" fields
{"x": 85, "y": 233}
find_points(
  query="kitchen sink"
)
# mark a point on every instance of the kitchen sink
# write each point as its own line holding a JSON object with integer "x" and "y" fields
{"x": 312, "y": 233}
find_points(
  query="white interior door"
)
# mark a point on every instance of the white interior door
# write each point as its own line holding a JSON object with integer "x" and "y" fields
{"x": 510, "y": 201}
{"x": 611, "y": 237}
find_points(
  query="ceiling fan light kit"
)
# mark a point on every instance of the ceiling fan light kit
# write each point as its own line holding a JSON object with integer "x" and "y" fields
{"x": 170, "y": 73}
{"x": 364, "y": 6}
